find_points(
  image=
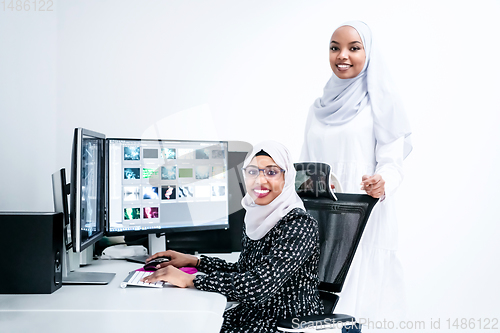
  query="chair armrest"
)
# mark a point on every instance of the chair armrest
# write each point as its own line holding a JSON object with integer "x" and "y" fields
{"x": 315, "y": 322}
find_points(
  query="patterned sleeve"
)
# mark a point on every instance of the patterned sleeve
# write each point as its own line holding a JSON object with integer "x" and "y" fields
{"x": 211, "y": 264}
{"x": 296, "y": 243}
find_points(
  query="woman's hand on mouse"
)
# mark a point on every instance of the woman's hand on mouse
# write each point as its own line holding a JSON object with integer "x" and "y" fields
{"x": 373, "y": 185}
{"x": 177, "y": 259}
{"x": 171, "y": 275}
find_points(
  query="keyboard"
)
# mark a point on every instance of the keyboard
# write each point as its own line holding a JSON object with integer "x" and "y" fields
{"x": 134, "y": 279}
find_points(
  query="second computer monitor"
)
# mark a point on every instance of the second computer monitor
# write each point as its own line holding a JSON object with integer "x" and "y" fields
{"x": 163, "y": 186}
{"x": 87, "y": 210}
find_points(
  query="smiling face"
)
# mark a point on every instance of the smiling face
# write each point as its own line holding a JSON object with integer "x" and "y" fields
{"x": 347, "y": 53}
{"x": 261, "y": 189}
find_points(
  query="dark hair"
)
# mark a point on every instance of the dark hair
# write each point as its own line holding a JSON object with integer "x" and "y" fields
{"x": 262, "y": 153}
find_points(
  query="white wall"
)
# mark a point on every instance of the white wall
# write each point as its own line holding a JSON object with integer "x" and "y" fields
{"x": 250, "y": 70}
{"x": 28, "y": 97}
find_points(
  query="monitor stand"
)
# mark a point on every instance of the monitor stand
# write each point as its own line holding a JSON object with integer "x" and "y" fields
{"x": 88, "y": 278}
{"x": 157, "y": 243}
{"x": 71, "y": 259}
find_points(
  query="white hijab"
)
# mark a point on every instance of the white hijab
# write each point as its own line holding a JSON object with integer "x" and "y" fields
{"x": 259, "y": 219}
{"x": 343, "y": 98}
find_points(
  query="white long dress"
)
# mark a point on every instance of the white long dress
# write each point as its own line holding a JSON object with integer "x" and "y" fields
{"x": 374, "y": 287}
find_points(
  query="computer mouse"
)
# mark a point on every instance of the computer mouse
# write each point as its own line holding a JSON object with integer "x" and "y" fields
{"x": 151, "y": 266}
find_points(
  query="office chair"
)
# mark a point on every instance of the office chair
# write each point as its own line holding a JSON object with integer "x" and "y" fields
{"x": 342, "y": 219}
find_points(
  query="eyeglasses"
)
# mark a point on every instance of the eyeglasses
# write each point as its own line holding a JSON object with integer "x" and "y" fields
{"x": 270, "y": 172}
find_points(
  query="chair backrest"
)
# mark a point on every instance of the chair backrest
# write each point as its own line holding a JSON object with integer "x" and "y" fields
{"x": 341, "y": 225}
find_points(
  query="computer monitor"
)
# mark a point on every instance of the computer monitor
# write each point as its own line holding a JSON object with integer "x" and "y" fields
{"x": 87, "y": 193}
{"x": 166, "y": 186}
{"x": 87, "y": 203}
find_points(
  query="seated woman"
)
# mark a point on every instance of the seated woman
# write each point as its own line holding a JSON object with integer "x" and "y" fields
{"x": 276, "y": 275}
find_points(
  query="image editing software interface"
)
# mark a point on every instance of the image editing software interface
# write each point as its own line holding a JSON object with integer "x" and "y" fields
{"x": 160, "y": 184}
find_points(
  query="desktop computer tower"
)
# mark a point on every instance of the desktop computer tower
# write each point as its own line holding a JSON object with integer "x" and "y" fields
{"x": 31, "y": 246}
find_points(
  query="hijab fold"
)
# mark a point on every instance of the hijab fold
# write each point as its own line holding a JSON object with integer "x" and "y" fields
{"x": 343, "y": 98}
{"x": 260, "y": 219}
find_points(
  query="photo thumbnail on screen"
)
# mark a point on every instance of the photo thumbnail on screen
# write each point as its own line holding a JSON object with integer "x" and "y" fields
{"x": 132, "y": 153}
{"x": 132, "y": 173}
{"x": 202, "y": 191}
{"x": 185, "y": 173}
{"x": 150, "y": 193}
{"x": 218, "y": 172}
{"x": 185, "y": 154}
{"x": 149, "y": 172}
{"x": 132, "y": 213}
{"x": 217, "y": 154}
{"x": 168, "y": 172}
{"x": 202, "y": 172}
{"x": 168, "y": 192}
{"x": 218, "y": 191}
{"x": 168, "y": 153}
{"x": 202, "y": 154}
{"x": 131, "y": 193}
{"x": 186, "y": 192}
{"x": 150, "y": 153}
{"x": 150, "y": 213}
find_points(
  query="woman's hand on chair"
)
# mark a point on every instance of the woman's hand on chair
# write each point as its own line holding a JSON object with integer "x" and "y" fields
{"x": 373, "y": 185}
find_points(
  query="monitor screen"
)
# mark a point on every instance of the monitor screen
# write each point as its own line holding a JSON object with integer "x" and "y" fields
{"x": 220, "y": 241}
{"x": 166, "y": 186}
{"x": 87, "y": 189}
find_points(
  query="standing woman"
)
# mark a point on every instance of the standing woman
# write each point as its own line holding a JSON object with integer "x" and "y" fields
{"x": 276, "y": 275}
{"x": 359, "y": 127}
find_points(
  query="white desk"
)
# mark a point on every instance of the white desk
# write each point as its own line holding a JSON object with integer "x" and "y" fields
{"x": 109, "y": 308}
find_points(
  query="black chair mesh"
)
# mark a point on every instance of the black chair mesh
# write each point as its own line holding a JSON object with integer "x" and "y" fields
{"x": 341, "y": 224}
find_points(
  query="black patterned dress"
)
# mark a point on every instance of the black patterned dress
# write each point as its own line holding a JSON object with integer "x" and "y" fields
{"x": 275, "y": 276}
